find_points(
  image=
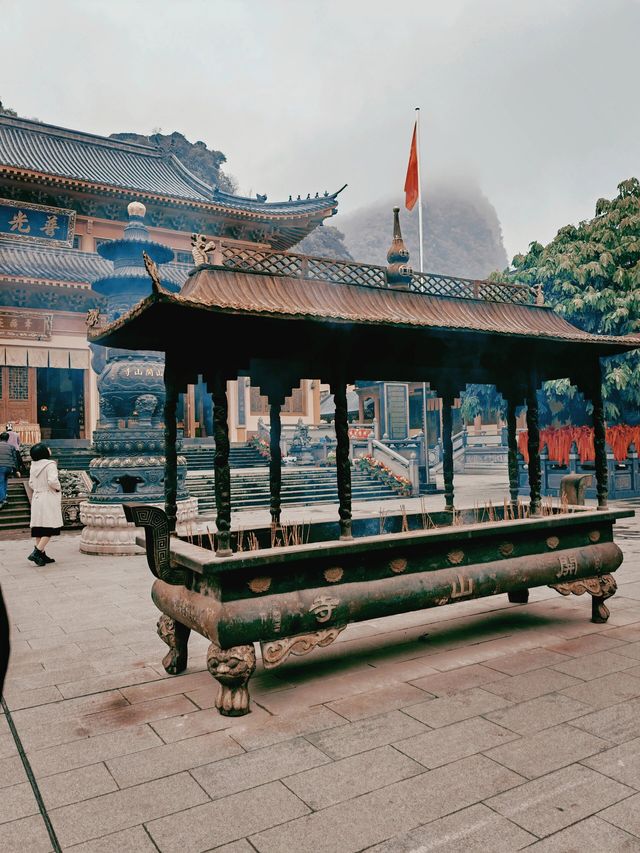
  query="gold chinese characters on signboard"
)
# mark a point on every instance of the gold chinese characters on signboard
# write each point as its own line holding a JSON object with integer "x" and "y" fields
{"x": 36, "y": 223}
{"x": 25, "y": 324}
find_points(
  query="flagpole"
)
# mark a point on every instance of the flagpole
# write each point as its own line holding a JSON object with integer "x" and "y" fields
{"x": 420, "y": 232}
{"x": 425, "y": 438}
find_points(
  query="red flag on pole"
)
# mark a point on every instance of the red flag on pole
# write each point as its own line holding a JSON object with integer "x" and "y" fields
{"x": 411, "y": 181}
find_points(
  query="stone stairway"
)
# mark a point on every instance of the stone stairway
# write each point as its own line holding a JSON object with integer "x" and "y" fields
{"x": 241, "y": 456}
{"x": 72, "y": 458}
{"x": 17, "y": 512}
{"x": 301, "y": 486}
{"x": 198, "y": 458}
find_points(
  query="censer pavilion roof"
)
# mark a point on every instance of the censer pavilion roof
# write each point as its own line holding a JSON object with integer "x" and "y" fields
{"x": 75, "y": 159}
{"x": 363, "y": 325}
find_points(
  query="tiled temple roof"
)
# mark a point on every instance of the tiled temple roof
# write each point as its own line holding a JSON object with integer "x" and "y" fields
{"x": 248, "y": 293}
{"x": 131, "y": 167}
{"x": 31, "y": 263}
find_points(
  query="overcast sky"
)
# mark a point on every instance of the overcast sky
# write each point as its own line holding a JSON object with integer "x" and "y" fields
{"x": 535, "y": 100}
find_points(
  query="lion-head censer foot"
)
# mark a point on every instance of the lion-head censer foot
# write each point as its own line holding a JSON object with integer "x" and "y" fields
{"x": 232, "y": 669}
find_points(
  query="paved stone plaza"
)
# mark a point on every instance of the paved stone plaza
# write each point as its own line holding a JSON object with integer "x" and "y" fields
{"x": 483, "y": 726}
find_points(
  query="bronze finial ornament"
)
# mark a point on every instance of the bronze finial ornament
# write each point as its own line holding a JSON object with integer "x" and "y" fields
{"x": 399, "y": 273}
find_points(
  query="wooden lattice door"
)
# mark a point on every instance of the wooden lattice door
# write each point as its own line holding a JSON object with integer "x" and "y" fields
{"x": 17, "y": 395}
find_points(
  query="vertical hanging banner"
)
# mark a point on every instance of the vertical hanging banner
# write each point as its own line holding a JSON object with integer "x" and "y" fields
{"x": 36, "y": 223}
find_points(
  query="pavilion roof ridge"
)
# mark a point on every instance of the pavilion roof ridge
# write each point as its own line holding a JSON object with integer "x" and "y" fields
{"x": 267, "y": 261}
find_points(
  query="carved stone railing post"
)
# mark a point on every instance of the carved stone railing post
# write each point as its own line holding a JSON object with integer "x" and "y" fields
{"x": 447, "y": 450}
{"x": 512, "y": 445}
{"x": 533, "y": 444}
{"x": 275, "y": 462}
{"x": 343, "y": 463}
{"x": 222, "y": 471}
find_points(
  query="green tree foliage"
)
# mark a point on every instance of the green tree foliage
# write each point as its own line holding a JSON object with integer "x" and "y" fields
{"x": 590, "y": 273}
{"x": 205, "y": 163}
{"x": 481, "y": 400}
{"x": 325, "y": 242}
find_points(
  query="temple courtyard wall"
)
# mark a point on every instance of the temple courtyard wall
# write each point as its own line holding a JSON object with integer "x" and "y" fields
{"x": 482, "y": 726}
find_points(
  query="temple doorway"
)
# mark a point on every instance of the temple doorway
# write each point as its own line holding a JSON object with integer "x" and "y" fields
{"x": 60, "y": 402}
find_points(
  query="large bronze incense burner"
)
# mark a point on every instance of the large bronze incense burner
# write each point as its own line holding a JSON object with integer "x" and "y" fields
{"x": 267, "y": 317}
{"x": 293, "y": 598}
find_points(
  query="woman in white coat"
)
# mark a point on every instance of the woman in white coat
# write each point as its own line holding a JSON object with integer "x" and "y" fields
{"x": 46, "y": 502}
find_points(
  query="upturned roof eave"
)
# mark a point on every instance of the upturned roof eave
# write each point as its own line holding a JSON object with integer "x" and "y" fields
{"x": 266, "y": 215}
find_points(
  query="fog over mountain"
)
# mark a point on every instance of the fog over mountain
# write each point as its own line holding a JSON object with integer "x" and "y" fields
{"x": 462, "y": 233}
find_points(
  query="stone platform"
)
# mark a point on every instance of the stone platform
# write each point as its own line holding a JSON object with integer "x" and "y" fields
{"x": 485, "y": 726}
{"x": 107, "y": 532}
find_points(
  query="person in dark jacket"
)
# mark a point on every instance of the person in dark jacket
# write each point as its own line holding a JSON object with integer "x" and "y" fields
{"x": 8, "y": 465}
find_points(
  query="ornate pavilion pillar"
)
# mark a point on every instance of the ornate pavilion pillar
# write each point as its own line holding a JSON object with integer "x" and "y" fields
{"x": 275, "y": 458}
{"x": 512, "y": 447}
{"x": 343, "y": 462}
{"x": 130, "y": 434}
{"x": 533, "y": 443}
{"x": 448, "y": 399}
{"x": 590, "y": 383}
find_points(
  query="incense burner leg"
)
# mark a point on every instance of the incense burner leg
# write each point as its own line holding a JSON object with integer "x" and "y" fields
{"x": 519, "y": 596}
{"x": 176, "y": 636}
{"x": 599, "y": 588}
{"x": 232, "y": 669}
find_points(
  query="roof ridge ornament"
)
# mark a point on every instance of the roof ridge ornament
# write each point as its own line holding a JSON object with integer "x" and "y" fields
{"x": 152, "y": 268}
{"x": 200, "y": 247}
{"x": 539, "y": 291}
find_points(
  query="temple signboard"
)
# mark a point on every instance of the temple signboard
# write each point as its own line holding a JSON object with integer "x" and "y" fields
{"x": 38, "y": 223}
{"x": 25, "y": 324}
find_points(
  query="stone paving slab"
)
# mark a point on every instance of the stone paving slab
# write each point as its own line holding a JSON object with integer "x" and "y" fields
{"x": 442, "y": 746}
{"x": 559, "y": 799}
{"x": 242, "y": 772}
{"x": 476, "y": 829}
{"x": 371, "y": 818}
{"x": 227, "y": 819}
{"x": 540, "y": 753}
{"x": 349, "y": 777}
{"x": 124, "y": 809}
{"x": 592, "y": 835}
{"x": 481, "y": 727}
{"x": 534, "y": 715}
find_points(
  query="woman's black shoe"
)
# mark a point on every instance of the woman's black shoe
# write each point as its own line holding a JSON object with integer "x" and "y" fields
{"x": 47, "y": 558}
{"x": 38, "y": 557}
